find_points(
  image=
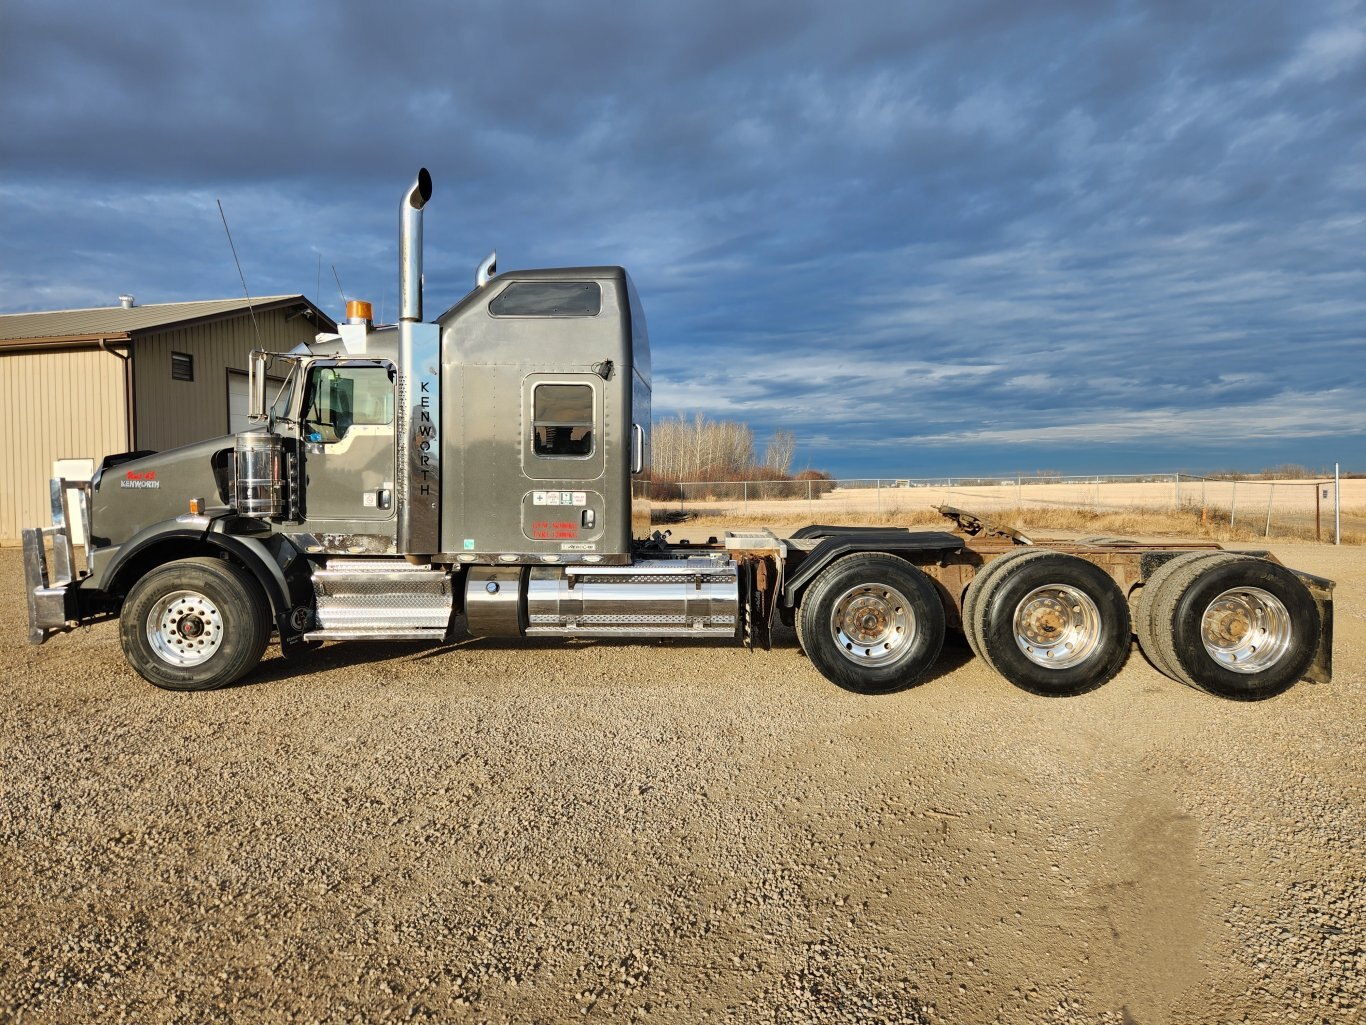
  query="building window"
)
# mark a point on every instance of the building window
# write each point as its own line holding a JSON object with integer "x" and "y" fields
{"x": 563, "y": 420}
{"x": 182, "y": 366}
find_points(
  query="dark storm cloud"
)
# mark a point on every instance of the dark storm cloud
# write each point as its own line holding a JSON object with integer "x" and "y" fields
{"x": 916, "y": 233}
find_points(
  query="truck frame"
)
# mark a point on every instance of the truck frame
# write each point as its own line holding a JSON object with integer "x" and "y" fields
{"x": 495, "y": 464}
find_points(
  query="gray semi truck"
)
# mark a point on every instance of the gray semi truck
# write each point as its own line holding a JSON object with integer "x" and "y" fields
{"x": 494, "y": 464}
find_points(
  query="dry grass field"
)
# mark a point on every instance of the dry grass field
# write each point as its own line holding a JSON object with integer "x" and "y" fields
{"x": 1214, "y": 510}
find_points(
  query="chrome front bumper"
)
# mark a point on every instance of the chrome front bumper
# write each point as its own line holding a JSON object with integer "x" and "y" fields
{"x": 51, "y": 597}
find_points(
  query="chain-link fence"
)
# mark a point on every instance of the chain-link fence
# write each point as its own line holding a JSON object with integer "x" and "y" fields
{"x": 1266, "y": 507}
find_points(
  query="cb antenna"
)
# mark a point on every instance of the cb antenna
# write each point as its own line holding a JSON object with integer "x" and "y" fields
{"x": 340, "y": 291}
{"x": 250, "y": 307}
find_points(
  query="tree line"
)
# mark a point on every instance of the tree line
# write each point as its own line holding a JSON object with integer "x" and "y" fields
{"x": 699, "y": 449}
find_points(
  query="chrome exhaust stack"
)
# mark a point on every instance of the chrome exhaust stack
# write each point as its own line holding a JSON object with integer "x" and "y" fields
{"x": 486, "y": 270}
{"x": 410, "y": 246}
{"x": 418, "y": 406}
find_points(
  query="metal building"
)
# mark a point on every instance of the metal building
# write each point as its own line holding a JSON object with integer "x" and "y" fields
{"x": 89, "y": 383}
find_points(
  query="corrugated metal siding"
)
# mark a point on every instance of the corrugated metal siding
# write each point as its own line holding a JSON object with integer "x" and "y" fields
{"x": 53, "y": 405}
{"x": 171, "y": 413}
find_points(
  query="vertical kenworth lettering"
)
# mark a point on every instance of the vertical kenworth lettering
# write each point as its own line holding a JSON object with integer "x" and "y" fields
{"x": 419, "y": 470}
{"x": 490, "y": 470}
{"x": 427, "y": 432}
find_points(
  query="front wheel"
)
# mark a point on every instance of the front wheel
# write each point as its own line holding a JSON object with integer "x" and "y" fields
{"x": 195, "y": 624}
{"x": 872, "y": 623}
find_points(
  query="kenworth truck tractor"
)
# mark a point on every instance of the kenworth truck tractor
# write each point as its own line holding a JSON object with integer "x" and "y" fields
{"x": 494, "y": 464}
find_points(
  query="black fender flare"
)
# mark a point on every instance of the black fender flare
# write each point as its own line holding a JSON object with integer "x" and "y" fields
{"x": 837, "y": 542}
{"x": 248, "y": 551}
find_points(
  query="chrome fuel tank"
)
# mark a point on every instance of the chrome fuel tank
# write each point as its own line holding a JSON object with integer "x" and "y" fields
{"x": 691, "y": 597}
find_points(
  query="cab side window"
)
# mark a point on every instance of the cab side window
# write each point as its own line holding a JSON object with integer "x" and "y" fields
{"x": 562, "y": 420}
{"x": 339, "y": 398}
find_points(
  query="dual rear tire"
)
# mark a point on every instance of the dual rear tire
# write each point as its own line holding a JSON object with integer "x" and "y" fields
{"x": 1050, "y": 623}
{"x": 1233, "y": 625}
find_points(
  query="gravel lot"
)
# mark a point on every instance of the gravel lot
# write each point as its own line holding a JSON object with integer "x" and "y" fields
{"x": 658, "y": 832}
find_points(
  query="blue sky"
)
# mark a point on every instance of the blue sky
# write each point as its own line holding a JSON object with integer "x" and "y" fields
{"x": 926, "y": 237}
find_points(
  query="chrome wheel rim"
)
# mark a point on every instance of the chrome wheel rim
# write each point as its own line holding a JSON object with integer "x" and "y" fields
{"x": 1057, "y": 626}
{"x": 872, "y": 624}
{"x": 1246, "y": 629}
{"x": 185, "y": 628}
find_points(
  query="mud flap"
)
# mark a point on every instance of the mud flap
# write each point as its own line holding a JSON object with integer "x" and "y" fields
{"x": 760, "y": 578}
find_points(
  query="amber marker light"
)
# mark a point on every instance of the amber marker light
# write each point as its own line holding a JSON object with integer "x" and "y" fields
{"x": 196, "y": 507}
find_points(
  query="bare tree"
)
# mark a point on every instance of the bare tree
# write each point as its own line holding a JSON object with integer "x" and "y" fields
{"x": 702, "y": 449}
{"x": 781, "y": 447}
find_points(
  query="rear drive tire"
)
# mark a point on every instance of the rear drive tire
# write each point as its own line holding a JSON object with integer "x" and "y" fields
{"x": 973, "y": 610}
{"x": 1054, "y": 624}
{"x": 196, "y": 624}
{"x": 1145, "y": 623}
{"x": 1239, "y": 627}
{"x": 872, "y": 623}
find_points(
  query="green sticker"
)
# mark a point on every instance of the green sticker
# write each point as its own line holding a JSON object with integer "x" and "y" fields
{"x": 469, "y": 544}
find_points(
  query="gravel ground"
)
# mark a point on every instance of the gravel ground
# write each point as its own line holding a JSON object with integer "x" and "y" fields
{"x": 658, "y": 832}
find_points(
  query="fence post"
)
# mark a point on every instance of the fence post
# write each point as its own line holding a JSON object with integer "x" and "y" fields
{"x": 1318, "y": 511}
{"x": 746, "y": 497}
{"x": 879, "y": 495}
{"x": 1233, "y": 504}
{"x": 1337, "y": 504}
{"x": 1270, "y": 497}
{"x": 810, "y": 509}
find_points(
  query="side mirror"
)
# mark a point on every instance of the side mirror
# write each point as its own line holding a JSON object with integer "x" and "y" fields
{"x": 256, "y": 385}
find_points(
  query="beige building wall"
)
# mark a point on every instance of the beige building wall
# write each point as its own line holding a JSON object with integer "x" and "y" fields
{"x": 171, "y": 412}
{"x": 64, "y": 404}
{"x": 70, "y": 403}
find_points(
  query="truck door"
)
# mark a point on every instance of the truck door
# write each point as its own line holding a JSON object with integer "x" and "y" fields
{"x": 563, "y": 458}
{"x": 349, "y": 459}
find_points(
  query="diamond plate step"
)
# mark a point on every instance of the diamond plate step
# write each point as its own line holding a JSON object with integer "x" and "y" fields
{"x": 381, "y": 597}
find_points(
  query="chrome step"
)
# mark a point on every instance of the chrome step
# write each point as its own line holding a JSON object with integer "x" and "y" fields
{"x": 377, "y": 634}
{"x": 381, "y": 598}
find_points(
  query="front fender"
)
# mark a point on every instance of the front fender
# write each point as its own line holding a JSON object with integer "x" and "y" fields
{"x": 184, "y": 537}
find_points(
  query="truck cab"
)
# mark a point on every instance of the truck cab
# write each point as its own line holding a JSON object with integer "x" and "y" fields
{"x": 540, "y": 411}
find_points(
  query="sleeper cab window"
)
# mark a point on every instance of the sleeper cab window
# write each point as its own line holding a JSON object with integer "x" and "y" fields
{"x": 562, "y": 420}
{"x": 548, "y": 299}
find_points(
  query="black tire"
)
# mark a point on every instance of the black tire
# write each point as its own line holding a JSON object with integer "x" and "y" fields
{"x": 1055, "y": 625}
{"x": 872, "y": 623}
{"x": 1239, "y": 627}
{"x": 196, "y": 624}
{"x": 1145, "y": 623}
{"x": 972, "y": 604}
